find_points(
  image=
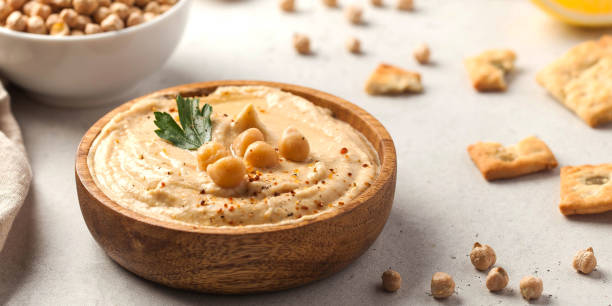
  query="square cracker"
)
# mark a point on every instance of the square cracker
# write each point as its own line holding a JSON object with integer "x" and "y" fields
{"x": 391, "y": 80}
{"x": 487, "y": 70}
{"x": 586, "y": 189}
{"x": 498, "y": 162}
{"x": 580, "y": 79}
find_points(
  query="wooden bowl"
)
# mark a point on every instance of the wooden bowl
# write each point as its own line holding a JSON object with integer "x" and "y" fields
{"x": 242, "y": 260}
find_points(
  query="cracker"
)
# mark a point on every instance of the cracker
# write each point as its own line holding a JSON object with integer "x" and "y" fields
{"x": 580, "y": 79}
{"x": 498, "y": 162}
{"x": 586, "y": 189}
{"x": 391, "y": 80}
{"x": 487, "y": 70}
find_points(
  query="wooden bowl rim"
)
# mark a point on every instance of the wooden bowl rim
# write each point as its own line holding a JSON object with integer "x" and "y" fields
{"x": 387, "y": 168}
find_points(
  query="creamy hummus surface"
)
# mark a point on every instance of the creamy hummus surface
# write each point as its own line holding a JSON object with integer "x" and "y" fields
{"x": 149, "y": 175}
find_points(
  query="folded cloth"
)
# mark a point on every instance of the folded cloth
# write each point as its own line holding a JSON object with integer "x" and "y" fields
{"x": 15, "y": 172}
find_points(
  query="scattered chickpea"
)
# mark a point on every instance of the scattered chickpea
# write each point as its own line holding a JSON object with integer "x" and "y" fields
{"x": 41, "y": 10}
{"x": 135, "y": 18}
{"x": 15, "y": 4}
{"x": 51, "y": 20}
{"x": 442, "y": 285}
{"x": 405, "y": 5}
{"x": 227, "y": 172}
{"x": 36, "y": 25}
{"x": 497, "y": 279}
{"x": 244, "y": 139}
{"x": 293, "y": 145}
{"x": 301, "y": 43}
{"x": 377, "y": 3}
{"x": 353, "y": 45}
{"x": 209, "y": 153}
{"x": 287, "y": 5}
{"x": 59, "y": 28}
{"x": 112, "y": 23}
{"x": 531, "y": 287}
{"x": 101, "y": 13}
{"x": 92, "y": 28}
{"x": 261, "y": 155}
{"x": 120, "y": 9}
{"x": 330, "y": 3}
{"x": 354, "y": 14}
{"x": 152, "y": 7}
{"x": 16, "y": 21}
{"x": 69, "y": 16}
{"x": 584, "y": 261}
{"x": 391, "y": 280}
{"x": 126, "y": 2}
{"x": 85, "y": 7}
{"x": 422, "y": 53}
{"x": 482, "y": 256}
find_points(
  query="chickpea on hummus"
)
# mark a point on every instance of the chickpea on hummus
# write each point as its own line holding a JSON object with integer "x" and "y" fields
{"x": 274, "y": 158}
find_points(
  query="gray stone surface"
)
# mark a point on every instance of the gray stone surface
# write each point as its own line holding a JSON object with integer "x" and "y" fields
{"x": 442, "y": 203}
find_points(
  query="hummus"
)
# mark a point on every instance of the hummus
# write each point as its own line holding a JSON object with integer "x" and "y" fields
{"x": 146, "y": 174}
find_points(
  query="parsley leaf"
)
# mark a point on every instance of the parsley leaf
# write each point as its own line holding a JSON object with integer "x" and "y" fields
{"x": 196, "y": 124}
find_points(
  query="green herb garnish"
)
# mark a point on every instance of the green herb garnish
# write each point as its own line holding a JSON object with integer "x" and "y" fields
{"x": 196, "y": 125}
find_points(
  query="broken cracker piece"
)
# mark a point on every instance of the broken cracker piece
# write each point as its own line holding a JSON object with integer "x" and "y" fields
{"x": 487, "y": 70}
{"x": 391, "y": 80}
{"x": 581, "y": 80}
{"x": 498, "y": 162}
{"x": 586, "y": 189}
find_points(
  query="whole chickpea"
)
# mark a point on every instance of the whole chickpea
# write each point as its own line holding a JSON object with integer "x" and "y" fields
{"x": 209, "y": 153}
{"x": 378, "y": 3}
{"x": 36, "y": 25}
{"x": 585, "y": 261}
{"x": 16, "y": 4}
{"x": 112, "y": 23}
{"x": 101, "y": 13}
{"x": 42, "y": 10}
{"x": 105, "y": 3}
{"x": 391, "y": 280}
{"x": 301, "y": 43}
{"x": 354, "y": 14}
{"x": 5, "y": 10}
{"x": 81, "y": 22}
{"x": 168, "y": 2}
{"x": 120, "y": 9}
{"x": 531, "y": 287}
{"x": 152, "y": 7}
{"x": 135, "y": 18}
{"x": 353, "y": 45}
{"x": 26, "y": 8}
{"x": 287, "y": 5}
{"x": 164, "y": 8}
{"x": 59, "y": 28}
{"x": 330, "y": 3}
{"x": 85, "y": 7}
{"x": 141, "y": 3}
{"x": 227, "y": 172}
{"x": 422, "y": 53}
{"x": 126, "y": 2}
{"x": 497, "y": 279}
{"x": 16, "y": 21}
{"x": 482, "y": 256}
{"x": 148, "y": 16}
{"x": 244, "y": 139}
{"x": 51, "y": 20}
{"x": 92, "y": 28}
{"x": 442, "y": 285}
{"x": 69, "y": 16}
{"x": 405, "y": 5}
{"x": 76, "y": 33}
{"x": 293, "y": 145}
{"x": 261, "y": 155}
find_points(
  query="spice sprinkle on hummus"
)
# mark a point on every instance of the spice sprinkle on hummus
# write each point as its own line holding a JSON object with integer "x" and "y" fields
{"x": 298, "y": 161}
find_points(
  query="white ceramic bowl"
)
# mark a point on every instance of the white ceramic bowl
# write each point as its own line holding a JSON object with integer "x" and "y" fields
{"x": 90, "y": 70}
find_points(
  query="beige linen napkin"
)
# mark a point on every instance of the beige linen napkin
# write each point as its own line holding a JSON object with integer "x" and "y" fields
{"x": 15, "y": 172}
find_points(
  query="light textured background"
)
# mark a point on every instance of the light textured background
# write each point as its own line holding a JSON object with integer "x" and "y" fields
{"x": 442, "y": 203}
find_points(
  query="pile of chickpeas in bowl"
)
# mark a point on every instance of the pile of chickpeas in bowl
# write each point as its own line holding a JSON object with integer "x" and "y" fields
{"x": 78, "y": 17}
